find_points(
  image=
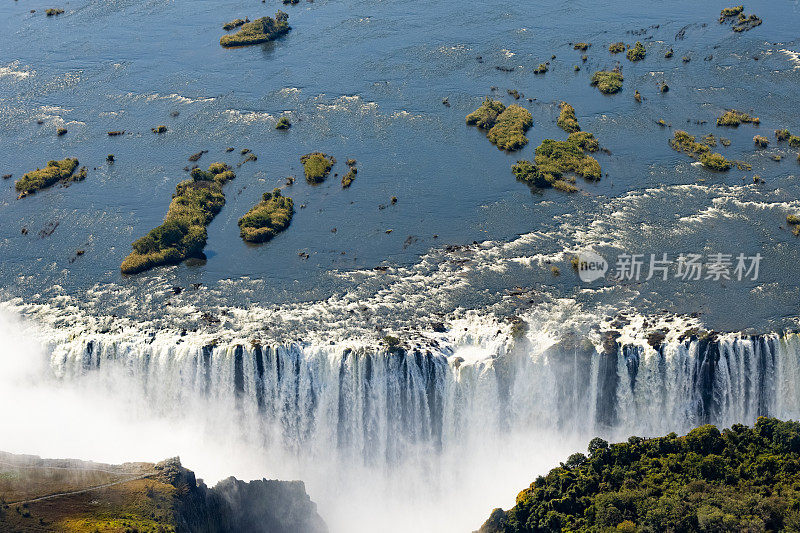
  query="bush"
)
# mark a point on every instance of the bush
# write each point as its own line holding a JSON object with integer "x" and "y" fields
{"x": 486, "y": 115}
{"x": 348, "y": 178}
{"x": 183, "y": 233}
{"x": 782, "y": 135}
{"x": 567, "y": 120}
{"x": 581, "y": 46}
{"x": 637, "y": 52}
{"x": 683, "y": 142}
{"x": 733, "y": 118}
{"x": 267, "y": 218}
{"x": 283, "y": 124}
{"x": 159, "y": 129}
{"x": 616, "y": 48}
{"x": 55, "y": 171}
{"x": 761, "y": 141}
{"x": 51, "y": 12}
{"x": 228, "y": 26}
{"x": 259, "y": 31}
{"x": 607, "y": 81}
{"x": 508, "y": 133}
{"x": 317, "y": 166}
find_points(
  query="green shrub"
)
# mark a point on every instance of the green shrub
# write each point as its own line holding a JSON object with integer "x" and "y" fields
{"x": 782, "y": 135}
{"x": 267, "y": 218}
{"x": 794, "y": 141}
{"x": 669, "y": 53}
{"x": 761, "y": 141}
{"x": 283, "y": 124}
{"x": 541, "y": 69}
{"x": 259, "y": 31}
{"x": 53, "y": 11}
{"x": 348, "y": 178}
{"x": 183, "y": 233}
{"x": 55, "y": 171}
{"x": 585, "y": 140}
{"x": 683, "y": 142}
{"x": 730, "y": 12}
{"x": 567, "y": 120}
{"x": 793, "y": 219}
{"x": 159, "y": 129}
{"x": 607, "y": 81}
{"x": 616, "y": 48}
{"x": 228, "y": 26}
{"x": 508, "y": 133}
{"x": 581, "y": 46}
{"x": 637, "y": 52}
{"x": 486, "y": 115}
{"x": 733, "y": 118}
{"x": 317, "y": 166}
{"x": 61, "y": 131}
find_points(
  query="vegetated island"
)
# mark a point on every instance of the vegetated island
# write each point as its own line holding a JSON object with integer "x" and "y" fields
{"x": 348, "y": 178}
{"x": 317, "y": 166}
{"x": 505, "y": 126}
{"x": 637, "y": 52}
{"x": 258, "y": 31}
{"x": 183, "y": 234}
{"x": 56, "y": 171}
{"x": 741, "y": 22}
{"x": 267, "y": 218}
{"x": 733, "y": 118}
{"x": 555, "y": 160}
{"x": 64, "y": 495}
{"x": 683, "y": 142}
{"x": 740, "y": 479}
{"x": 607, "y": 81}
{"x": 616, "y": 48}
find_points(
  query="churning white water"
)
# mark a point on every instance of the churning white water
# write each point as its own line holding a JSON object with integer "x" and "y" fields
{"x": 430, "y": 437}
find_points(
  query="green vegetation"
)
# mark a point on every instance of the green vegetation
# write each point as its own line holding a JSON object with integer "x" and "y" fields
{"x": 392, "y": 342}
{"x": 56, "y": 171}
{"x": 348, "y": 178}
{"x": 116, "y": 133}
{"x": 159, "y": 129}
{"x": 794, "y": 141}
{"x": 607, "y": 81}
{"x": 616, "y": 48}
{"x": 317, "y": 166}
{"x": 283, "y": 124}
{"x": 740, "y": 479}
{"x": 733, "y": 118}
{"x": 794, "y": 222}
{"x": 553, "y": 160}
{"x": 782, "y": 135}
{"x": 744, "y": 23}
{"x": 259, "y": 31}
{"x": 637, "y": 96}
{"x": 663, "y": 87}
{"x": 61, "y": 131}
{"x": 585, "y": 141}
{"x": 683, "y": 142}
{"x": 730, "y": 12}
{"x": 541, "y": 69}
{"x": 761, "y": 141}
{"x": 508, "y": 133}
{"x": 53, "y": 11}
{"x": 228, "y": 26}
{"x": 267, "y": 218}
{"x": 669, "y": 53}
{"x": 567, "y": 120}
{"x": 636, "y": 53}
{"x": 183, "y": 234}
{"x": 581, "y": 46}
{"x": 486, "y": 115}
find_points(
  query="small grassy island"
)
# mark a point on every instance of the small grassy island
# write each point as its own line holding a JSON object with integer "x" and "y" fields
{"x": 607, "y": 81}
{"x": 283, "y": 124}
{"x": 267, "y": 218}
{"x": 566, "y": 118}
{"x": 506, "y": 125}
{"x": 616, "y": 48}
{"x": 637, "y": 52}
{"x": 741, "y": 22}
{"x": 259, "y": 31}
{"x": 556, "y": 160}
{"x": 733, "y": 118}
{"x": 740, "y": 479}
{"x": 683, "y": 142}
{"x": 53, "y": 11}
{"x": 317, "y": 166}
{"x": 183, "y": 234}
{"x": 56, "y": 171}
{"x": 348, "y": 178}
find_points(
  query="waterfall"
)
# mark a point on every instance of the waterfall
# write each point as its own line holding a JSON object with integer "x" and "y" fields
{"x": 379, "y": 406}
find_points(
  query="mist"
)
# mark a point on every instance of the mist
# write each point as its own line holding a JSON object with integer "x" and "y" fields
{"x": 107, "y": 416}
